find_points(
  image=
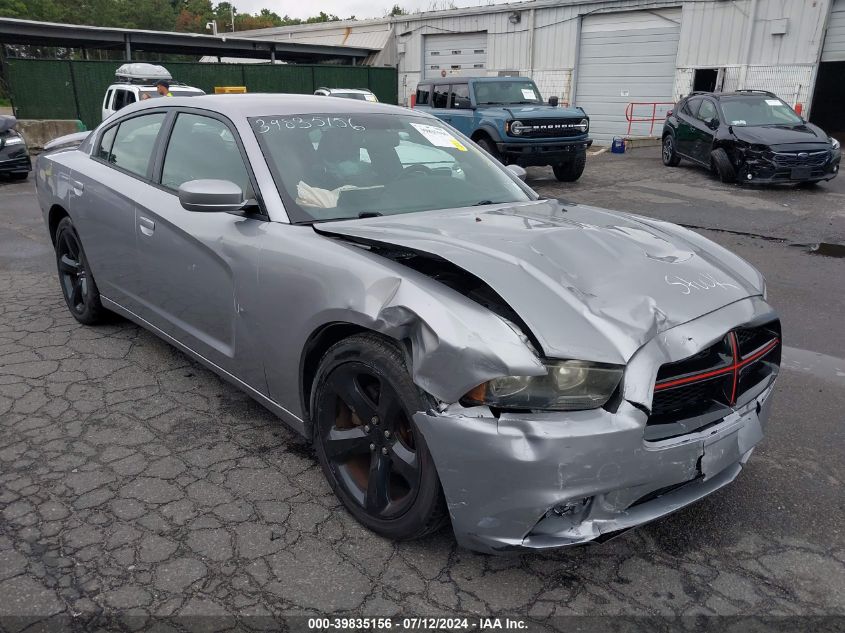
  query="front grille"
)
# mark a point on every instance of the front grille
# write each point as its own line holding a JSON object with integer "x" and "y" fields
{"x": 801, "y": 159}
{"x": 550, "y": 128}
{"x": 700, "y": 390}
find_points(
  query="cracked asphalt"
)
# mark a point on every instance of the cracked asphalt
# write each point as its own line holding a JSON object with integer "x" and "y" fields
{"x": 134, "y": 483}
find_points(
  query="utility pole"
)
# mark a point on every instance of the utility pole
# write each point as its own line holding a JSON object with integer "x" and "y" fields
{"x": 211, "y": 26}
{"x": 232, "y": 13}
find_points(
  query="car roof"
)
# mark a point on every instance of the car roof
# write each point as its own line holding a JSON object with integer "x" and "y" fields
{"x": 266, "y": 104}
{"x": 735, "y": 93}
{"x": 349, "y": 90}
{"x": 464, "y": 79}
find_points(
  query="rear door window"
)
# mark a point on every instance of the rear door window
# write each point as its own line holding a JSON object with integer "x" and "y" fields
{"x": 460, "y": 96}
{"x": 423, "y": 93}
{"x": 441, "y": 96}
{"x": 134, "y": 143}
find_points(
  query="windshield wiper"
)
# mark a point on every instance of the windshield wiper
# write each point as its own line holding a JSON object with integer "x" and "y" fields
{"x": 484, "y": 202}
{"x": 369, "y": 214}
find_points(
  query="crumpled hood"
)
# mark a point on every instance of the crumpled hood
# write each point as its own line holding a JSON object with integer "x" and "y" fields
{"x": 781, "y": 135}
{"x": 589, "y": 283}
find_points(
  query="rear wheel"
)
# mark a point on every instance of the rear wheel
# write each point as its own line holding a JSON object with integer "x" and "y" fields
{"x": 722, "y": 165}
{"x": 670, "y": 156}
{"x": 20, "y": 175}
{"x": 78, "y": 286}
{"x": 490, "y": 147}
{"x": 374, "y": 457}
{"x": 571, "y": 170}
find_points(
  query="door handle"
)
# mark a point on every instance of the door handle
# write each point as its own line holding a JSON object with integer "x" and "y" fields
{"x": 77, "y": 186}
{"x": 146, "y": 225}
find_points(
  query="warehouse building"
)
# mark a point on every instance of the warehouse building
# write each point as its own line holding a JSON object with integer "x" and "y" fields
{"x": 624, "y": 61}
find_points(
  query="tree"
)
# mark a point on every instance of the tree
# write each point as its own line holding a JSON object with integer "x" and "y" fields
{"x": 397, "y": 10}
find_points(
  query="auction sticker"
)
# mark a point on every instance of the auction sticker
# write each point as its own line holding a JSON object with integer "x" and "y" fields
{"x": 438, "y": 137}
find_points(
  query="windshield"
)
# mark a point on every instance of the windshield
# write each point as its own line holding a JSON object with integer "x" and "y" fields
{"x": 758, "y": 110}
{"x": 341, "y": 166}
{"x": 518, "y": 91}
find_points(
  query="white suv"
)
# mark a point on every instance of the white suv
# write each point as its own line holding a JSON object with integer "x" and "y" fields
{"x": 347, "y": 93}
{"x": 138, "y": 81}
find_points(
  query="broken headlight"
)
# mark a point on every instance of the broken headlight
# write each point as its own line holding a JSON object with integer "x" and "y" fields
{"x": 568, "y": 385}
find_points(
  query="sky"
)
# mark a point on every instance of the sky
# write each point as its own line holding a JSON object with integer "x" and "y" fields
{"x": 345, "y": 8}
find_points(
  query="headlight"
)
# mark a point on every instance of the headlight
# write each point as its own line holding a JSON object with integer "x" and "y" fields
{"x": 14, "y": 140}
{"x": 584, "y": 125}
{"x": 516, "y": 128}
{"x": 568, "y": 385}
{"x": 834, "y": 143}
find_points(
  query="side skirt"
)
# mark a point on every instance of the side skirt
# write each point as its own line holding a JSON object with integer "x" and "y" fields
{"x": 292, "y": 420}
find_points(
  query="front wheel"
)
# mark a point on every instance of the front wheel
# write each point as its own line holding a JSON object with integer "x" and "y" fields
{"x": 370, "y": 450}
{"x": 670, "y": 156}
{"x": 722, "y": 165}
{"x": 571, "y": 170}
{"x": 78, "y": 286}
{"x": 490, "y": 147}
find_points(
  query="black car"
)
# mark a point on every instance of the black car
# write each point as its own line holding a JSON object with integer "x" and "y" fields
{"x": 14, "y": 156}
{"x": 749, "y": 136}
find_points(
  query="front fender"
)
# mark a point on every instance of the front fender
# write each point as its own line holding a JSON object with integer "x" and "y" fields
{"x": 490, "y": 129}
{"x": 308, "y": 281}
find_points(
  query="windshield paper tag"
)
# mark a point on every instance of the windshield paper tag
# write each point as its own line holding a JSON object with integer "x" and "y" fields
{"x": 773, "y": 102}
{"x": 438, "y": 137}
{"x": 528, "y": 93}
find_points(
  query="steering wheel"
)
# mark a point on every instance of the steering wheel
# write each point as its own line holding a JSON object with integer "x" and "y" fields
{"x": 409, "y": 171}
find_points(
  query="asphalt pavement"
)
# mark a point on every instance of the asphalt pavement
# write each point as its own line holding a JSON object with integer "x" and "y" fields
{"x": 134, "y": 483}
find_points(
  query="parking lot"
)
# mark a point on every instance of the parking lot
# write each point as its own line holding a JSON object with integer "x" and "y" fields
{"x": 134, "y": 482}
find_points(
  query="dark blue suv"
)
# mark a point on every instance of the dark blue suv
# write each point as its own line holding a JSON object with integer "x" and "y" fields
{"x": 507, "y": 117}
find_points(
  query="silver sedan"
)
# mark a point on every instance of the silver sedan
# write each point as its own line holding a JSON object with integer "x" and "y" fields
{"x": 459, "y": 350}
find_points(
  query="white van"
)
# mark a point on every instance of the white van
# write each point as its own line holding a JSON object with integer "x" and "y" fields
{"x": 136, "y": 81}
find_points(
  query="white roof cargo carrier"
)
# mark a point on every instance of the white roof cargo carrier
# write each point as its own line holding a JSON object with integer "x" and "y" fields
{"x": 139, "y": 72}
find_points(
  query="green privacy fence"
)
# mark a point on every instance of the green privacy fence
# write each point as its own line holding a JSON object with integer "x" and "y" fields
{"x": 63, "y": 89}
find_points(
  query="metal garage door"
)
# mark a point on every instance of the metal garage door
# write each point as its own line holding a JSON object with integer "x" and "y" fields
{"x": 834, "y": 39}
{"x": 455, "y": 54}
{"x": 626, "y": 57}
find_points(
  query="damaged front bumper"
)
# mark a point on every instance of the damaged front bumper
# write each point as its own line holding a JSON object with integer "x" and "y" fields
{"x": 789, "y": 167}
{"x": 524, "y": 481}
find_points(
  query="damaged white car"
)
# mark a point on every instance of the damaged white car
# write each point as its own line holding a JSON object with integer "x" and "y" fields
{"x": 537, "y": 373}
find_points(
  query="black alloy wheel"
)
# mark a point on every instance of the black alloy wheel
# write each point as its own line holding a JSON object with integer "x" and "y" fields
{"x": 78, "y": 285}
{"x": 371, "y": 452}
{"x": 669, "y": 155}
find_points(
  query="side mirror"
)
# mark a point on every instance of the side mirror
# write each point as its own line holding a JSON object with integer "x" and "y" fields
{"x": 713, "y": 124}
{"x": 517, "y": 171}
{"x": 553, "y": 101}
{"x": 211, "y": 196}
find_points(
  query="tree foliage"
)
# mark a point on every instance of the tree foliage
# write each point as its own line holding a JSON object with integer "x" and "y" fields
{"x": 161, "y": 15}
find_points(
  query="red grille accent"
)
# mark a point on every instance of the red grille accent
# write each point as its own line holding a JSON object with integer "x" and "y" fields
{"x": 734, "y": 368}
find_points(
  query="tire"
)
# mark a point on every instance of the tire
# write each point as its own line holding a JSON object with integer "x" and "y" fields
{"x": 369, "y": 448}
{"x": 78, "y": 286}
{"x": 571, "y": 171}
{"x": 19, "y": 175}
{"x": 722, "y": 164}
{"x": 490, "y": 147}
{"x": 668, "y": 153}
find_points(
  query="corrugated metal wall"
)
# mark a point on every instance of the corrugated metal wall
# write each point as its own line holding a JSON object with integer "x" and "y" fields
{"x": 59, "y": 89}
{"x": 834, "y": 43}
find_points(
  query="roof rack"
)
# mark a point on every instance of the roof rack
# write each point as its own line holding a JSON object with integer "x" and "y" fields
{"x": 753, "y": 90}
